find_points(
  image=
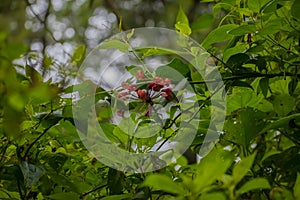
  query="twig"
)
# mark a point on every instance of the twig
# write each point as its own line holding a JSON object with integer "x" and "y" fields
{"x": 244, "y": 76}
{"x": 93, "y": 190}
{"x": 39, "y": 137}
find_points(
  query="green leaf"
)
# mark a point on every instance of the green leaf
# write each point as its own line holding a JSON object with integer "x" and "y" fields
{"x": 118, "y": 197}
{"x": 237, "y": 60}
{"x": 127, "y": 125}
{"x": 203, "y": 22}
{"x": 271, "y": 27}
{"x": 115, "y": 181}
{"x": 67, "y": 112}
{"x": 269, "y": 154}
{"x": 264, "y": 86}
{"x": 242, "y": 168}
{"x": 280, "y": 123}
{"x": 256, "y": 5}
{"x": 297, "y": 187}
{"x": 239, "y": 83}
{"x": 64, "y": 196}
{"x": 150, "y": 51}
{"x": 280, "y": 85}
{"x": 219, "y": 34}
{"x": 176, "y": 70}
{"x": 62, "y": 180}
{"x": 79, "y": 54}
{"x": 240, "y": 47}
{"x": 213, "y": 196}
{"x": 182, "y": 22}
{"x": 211, "y": 168}
{"x": 243, "y": 30}
{"x": 254, "y": 184}
{"x": 244, "y": 127}
{"x": 115, "y": 44}
{"x": 130, "y": 34}
{"x": 31, "y": 173}
{"x": 148, "y": 130}
{"x": 295, "y": 10}
{"x": 163, "y": 183}
{"x": 49, "y": 119}
{"x": 242, "y": 98}
{"x": 283, "y": 104}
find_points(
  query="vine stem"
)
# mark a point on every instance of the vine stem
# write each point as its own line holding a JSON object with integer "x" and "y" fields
{"x": 39, "y": 137}
{"x": 93, "y": 190}
{"x": 244, "y": 76}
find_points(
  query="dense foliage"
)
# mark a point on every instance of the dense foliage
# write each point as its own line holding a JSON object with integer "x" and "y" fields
{"x": 255, "y": 45}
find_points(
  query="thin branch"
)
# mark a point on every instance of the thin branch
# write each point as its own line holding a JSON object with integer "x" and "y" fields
{"x": 93, "y": 190}
{"x": 245, "y": 76}
{"x": 43, "y": 21}
{"x": 39, "y": 137}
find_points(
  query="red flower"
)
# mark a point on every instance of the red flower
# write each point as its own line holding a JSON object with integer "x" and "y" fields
{"x": 159, "y": 81}
{"x": 154, "y": 86}
{"x": 140, "y": 74}
{"x": 122, "y": 95}
{"x": 167, "y": 82}
{"x": 128, "y": 86}
{"x": 142, "y": 94}
{"x": 249, "y": 38}
{"x": 167, "y": 93}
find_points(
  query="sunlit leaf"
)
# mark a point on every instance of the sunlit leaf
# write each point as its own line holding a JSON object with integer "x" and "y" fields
{"x": 115, "y": 44}
{"x": 211, "y": 168}
{"x": 79, "y": 54}
{"x": 182, "y": 22}
{"x": 256, "y": 5}
{"x": 213, "y": 196}
{"x": 243, "y": 30}
{"x": 254, "y": 184}
{"x": 243, "y": 98}
{"x": 242, "y": 168}
{"x": 163, "y": 183}
{"x": 297, "y": 186}
{"x": 219, "y": 35}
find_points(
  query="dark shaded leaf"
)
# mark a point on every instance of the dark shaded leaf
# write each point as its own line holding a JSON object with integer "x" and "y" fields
{"x": 237, "y": 60}
{"x": 115, "y": 181}
{"x": 295, "y": 10}
{"x": 243, "y": 30}
{"x": 264, "y": 86}
{"x": 241, "y": 84}
{"x": 293, "y": 85}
